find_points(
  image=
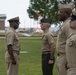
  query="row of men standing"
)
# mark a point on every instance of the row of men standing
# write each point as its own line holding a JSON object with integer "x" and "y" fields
{"x": 66, "y": 41}
{"x": 65, "y": 44}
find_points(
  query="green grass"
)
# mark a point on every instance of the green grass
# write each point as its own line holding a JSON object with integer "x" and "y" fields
{"x": 30, "y": 62}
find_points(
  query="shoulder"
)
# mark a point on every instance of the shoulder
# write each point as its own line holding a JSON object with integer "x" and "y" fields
{"x": 66, "y": 22}
{"x": 49, "y": 34}
{"x": 10, "y": 33}
{"x": 66, "y": 26}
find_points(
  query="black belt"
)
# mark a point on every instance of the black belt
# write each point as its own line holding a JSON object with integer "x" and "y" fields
{"x": 46, "y": 52}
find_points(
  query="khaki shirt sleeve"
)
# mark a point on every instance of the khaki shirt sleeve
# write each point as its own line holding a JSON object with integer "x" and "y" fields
{"x": 50, "y": 39}
{"x": 10, "y": 38}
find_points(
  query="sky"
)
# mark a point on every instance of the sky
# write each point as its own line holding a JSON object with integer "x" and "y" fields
{"x": 13, "y": 8}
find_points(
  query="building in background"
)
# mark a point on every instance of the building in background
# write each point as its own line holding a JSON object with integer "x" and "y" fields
{"x": 2, "y": 22}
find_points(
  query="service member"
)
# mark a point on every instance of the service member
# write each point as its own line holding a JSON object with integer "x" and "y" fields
{"x": 71, "y": 47}
{"x": 64, "y": 14}
{"x": 48, "y": 48}
{"x": 12, "y": 47}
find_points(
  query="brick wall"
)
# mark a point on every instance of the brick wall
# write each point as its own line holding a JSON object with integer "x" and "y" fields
{"x": 2, "y": 24}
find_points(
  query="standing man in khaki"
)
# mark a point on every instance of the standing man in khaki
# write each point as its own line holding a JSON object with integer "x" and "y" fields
{"x": 71, "y": 47}
{"x": 12, "y": 47}
{"x": 48, "y": 48}
{"x": 64, "y": 14}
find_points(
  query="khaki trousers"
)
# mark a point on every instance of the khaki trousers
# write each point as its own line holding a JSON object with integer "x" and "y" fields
{"x": 12, "y": 69}
{"x": 61, "y": 64}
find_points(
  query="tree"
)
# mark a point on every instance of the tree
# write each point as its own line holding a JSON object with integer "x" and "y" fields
{"x": 45, "y": 8}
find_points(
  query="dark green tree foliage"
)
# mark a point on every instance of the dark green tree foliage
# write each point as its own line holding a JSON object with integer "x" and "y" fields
{"x": 46, "y": 8}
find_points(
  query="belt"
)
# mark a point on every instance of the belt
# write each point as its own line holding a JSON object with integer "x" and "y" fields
{"x": 60, "y": 53}
{"x": 46, "y": 52}
{"x": 17, "y": 52}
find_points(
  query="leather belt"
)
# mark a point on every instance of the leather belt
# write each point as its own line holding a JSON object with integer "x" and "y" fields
{"x": 46, "y": 52}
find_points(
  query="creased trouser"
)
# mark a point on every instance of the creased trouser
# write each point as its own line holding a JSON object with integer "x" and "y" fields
{"x": 47, "y": 69}
{"x": 11, "y": 68}
{"x": 61, "y": 64}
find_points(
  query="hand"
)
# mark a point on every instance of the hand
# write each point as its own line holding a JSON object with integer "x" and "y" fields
{"x": 51, "y": 61}
{"x": 14, "y": 62}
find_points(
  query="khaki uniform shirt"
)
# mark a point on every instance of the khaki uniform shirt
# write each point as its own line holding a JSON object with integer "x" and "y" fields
{"x": 71, "y": 50}
{"x": 12, "y": 39}
{"x": 47, "y": 39}
{"x": 62, "y": 36}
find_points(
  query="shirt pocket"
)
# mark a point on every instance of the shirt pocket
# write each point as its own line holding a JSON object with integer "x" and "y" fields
{"x": 45, "y": 41}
